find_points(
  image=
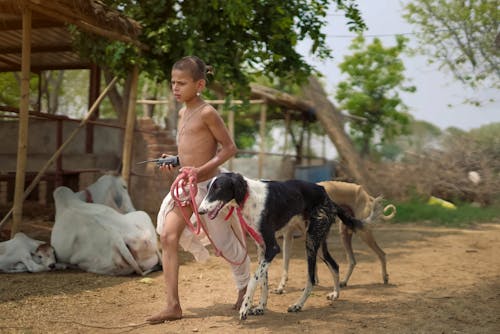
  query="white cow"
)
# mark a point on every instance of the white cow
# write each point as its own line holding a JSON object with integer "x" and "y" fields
{"x": 21, "y": 254}
{"x": 96, "y": 238}
{"x": 110, "y": 190}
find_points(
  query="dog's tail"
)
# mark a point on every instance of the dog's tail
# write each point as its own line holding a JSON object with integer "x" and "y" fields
{"x": 391, "y": 208}
{"x": 381, "y": 212}
{"x": 347, "y": 219}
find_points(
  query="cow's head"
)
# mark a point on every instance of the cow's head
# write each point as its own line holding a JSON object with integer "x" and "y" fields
{"x": 44, "y": 255}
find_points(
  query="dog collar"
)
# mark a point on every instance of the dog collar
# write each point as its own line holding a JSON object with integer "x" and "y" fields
{"x": 244, "y": 226}
{"x": 88, "y": 196}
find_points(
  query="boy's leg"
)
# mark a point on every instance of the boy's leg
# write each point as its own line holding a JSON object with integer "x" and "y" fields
{"x": 227, "y": 242}
{"x": 169, "y": 238}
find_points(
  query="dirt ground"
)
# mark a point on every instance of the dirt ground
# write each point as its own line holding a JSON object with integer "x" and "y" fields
{"x": 442, "y": 280}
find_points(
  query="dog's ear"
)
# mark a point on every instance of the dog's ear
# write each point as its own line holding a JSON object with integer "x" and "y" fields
{"x": 240, "y": 187}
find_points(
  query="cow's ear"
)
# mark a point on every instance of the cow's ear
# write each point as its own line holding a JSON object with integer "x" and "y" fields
{"x": 118, "y": 199}
{"x": 240, "y": 188}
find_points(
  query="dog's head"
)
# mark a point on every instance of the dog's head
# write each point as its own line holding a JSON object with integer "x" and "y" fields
{"x": 223, "y": 188}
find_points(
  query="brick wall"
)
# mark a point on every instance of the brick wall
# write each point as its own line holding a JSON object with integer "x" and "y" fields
{"x": 149, "y": 185}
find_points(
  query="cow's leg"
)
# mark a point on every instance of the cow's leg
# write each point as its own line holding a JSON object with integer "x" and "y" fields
{"x": 33, "y": 266}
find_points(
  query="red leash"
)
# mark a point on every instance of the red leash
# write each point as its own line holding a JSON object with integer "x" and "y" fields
{"x": 244, "y": 226}
{"x": 188, "y": 178}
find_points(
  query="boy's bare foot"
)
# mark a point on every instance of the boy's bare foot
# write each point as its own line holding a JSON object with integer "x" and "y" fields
{"x": 168, "y": 314}
{"x": 241, "y": 294}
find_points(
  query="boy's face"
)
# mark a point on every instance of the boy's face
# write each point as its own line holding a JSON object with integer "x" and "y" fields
{"x": 183, "y": 85}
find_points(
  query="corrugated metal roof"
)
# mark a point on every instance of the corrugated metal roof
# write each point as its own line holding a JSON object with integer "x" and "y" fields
{"x": 51, "y": 46}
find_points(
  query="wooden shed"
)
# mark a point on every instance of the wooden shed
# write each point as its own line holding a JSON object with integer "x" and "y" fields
{"x": 35, "y": 36}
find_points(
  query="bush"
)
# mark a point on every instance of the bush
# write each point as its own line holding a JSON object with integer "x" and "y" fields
{"x": 464, "y": 215}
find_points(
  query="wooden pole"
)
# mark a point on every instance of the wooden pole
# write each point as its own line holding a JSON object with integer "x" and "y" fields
{"x": 263, "y": 118}
{"x": 128, "y": 139}
{"x": 95, "y": 87}
{"x": 58, "y": 152}
{"x": 22, "y": 141}
{"x": 230, "y": 125}
{"x": 287, "y": 128}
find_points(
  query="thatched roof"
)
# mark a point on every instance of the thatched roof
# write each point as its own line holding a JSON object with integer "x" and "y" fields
{"x": 51, "y": 46}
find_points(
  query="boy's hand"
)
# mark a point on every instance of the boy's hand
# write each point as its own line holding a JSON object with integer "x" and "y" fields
{"x": 170, "y": 161}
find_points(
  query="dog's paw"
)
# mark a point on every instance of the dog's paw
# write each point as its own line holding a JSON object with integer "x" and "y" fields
{"x": 243, "y": 315}
{"x": 256, "y": 311}
{"x": 294, "y": 308}
{"x": 279, "y": 291}
{"x": 386, "y": 279}
{"x": 333, "y": 295}
{"x": 343, "y": 284}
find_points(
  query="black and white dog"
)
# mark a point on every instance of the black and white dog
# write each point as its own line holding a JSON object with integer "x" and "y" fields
{"x": 268, "y": 206}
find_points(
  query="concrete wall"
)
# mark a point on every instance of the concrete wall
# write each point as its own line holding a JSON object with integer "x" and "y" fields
{"x": 148, "y": 185}
{"x": 42, "y": 143}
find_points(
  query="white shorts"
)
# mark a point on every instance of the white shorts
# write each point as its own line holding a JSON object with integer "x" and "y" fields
{"x": 220, "y": 232}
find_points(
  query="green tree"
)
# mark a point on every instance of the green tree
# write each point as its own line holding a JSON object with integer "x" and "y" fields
{"x": 460, "y": 36}
{"x": 239, "y": 38}
{"x": 421, "y": 136}
{"x": 488, "y": 141}
{"x": 371, "y": 91}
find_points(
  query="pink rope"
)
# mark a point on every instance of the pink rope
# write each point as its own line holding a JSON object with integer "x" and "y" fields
{"x": 187, "y": 182}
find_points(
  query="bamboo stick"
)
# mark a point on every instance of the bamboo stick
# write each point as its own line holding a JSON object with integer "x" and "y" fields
{"x": 129, "y": 127}
{"x": 22, "y": 141}
{"x": 263, "y": 118}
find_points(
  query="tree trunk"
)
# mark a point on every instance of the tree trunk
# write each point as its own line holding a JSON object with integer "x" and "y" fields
{"x": 332, "y": 122}
{"x": 119, "y": 101}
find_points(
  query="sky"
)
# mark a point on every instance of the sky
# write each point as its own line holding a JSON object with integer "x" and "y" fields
{"x": 436, "y": 90}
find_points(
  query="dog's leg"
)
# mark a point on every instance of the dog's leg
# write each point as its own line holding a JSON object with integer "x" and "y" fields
{"x": 259, "y": 309}
{"x": 367, "y": 236}
{"x": 246, "y": 306}
{"x": 316, "y": 234}
{"x": 346, "y": 237}
{"x": 334, "y": 270}
{"x": 287, "y": 249}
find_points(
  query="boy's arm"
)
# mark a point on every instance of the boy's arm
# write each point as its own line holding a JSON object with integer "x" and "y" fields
{"x": 227, "y": 147}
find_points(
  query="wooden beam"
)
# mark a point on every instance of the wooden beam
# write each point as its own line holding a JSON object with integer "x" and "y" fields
{"x": 216, "y": 102}
{"x": 280, "y": 98}
{"x": 22, "y": 140}
{"x": 263, "y": 118}
{"x": 38, "y": 49}
{"x": 61, "y": 13}
{"x": 230, "y": 124}
{"x": 94, "y": 89}
{"x": 129, "y": 127}
{"x": 15, "y": 24}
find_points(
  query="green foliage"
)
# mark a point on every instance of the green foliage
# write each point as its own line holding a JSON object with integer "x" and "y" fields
{"x": 237, "y": 37}
{"x": 487, "y": 138}
{"x": 371, "y": 91}
{"x": 418, "y": 210}
{"x": 483, "y": 145}
{"x": 460, "y": 37}
{"x": 421, "y": 136}
{"x": 9, "y": 89}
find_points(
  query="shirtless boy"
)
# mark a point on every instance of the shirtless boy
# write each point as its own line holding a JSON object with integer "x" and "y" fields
{"x": 204, "y": 144}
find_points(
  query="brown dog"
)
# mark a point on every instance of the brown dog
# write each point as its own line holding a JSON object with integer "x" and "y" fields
{"x": 361, "y": 205}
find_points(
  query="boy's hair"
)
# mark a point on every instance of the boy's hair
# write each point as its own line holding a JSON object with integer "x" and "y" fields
{"x": 195, "y": 66}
